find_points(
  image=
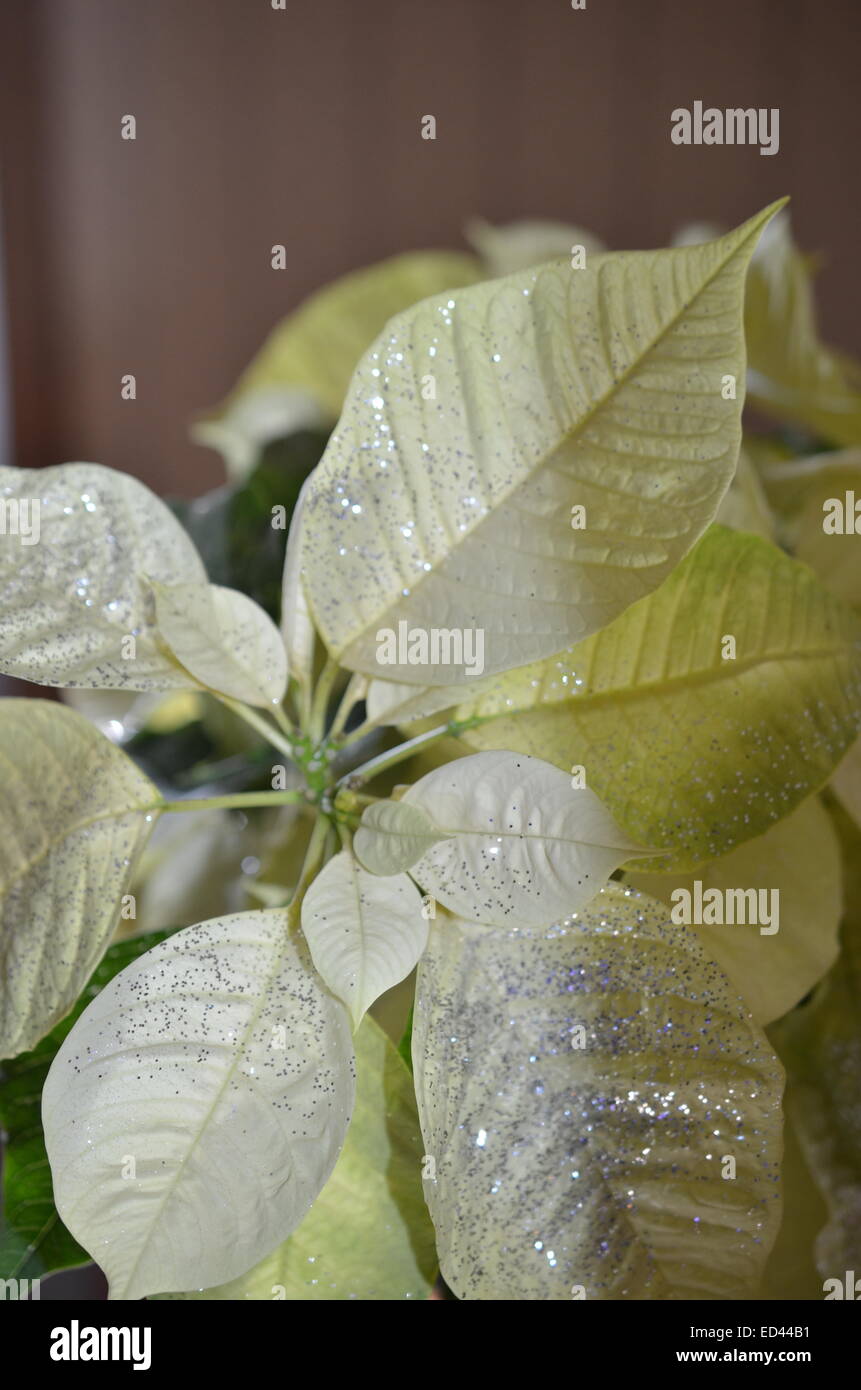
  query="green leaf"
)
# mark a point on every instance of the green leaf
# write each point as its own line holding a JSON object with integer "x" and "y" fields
{"x": 368, "y": 1235}
{"x": 364, "y": 933}
{"x": 580, "y": 1087}
{"x": 33, "y": 1240}
{"x": 70, "y": 603}
{"x": 799, "y": 859}
{"x": 521, "y": 842}
{"x": 75, "y": 815}
{"x": 199, "y": 1105}
{"x": 317, "y": 347}
{"x": 691, "y": 752}
{"x": 478, "y": 420}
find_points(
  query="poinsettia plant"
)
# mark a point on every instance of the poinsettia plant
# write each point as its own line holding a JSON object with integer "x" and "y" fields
{"x": 536, "y": 577}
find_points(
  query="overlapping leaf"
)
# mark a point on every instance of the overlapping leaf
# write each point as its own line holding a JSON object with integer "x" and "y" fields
{"x": 33, "y": 1240}
{"x": 365, "y": 933}
{"x": 214, "y": 1075}
{"x": 76, "y": 607}
{"x": 75, "y": 814}
{"x": 368, "y": 1235}
{"x": 691, "y": 750}
{"x": 224, "y": 640}
{"x": 521, "y": 844}
{"x": 796, "y": 866}
{"x": 580, "y": 1089}
{"x": 480, "y": 419}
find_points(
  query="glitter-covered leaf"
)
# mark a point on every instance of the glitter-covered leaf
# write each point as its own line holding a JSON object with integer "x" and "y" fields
{"x": 522, "y": 845}
{"x": 580, "y": 1089}
{"x": 224, "y": 640}
{"x": 393, "y": 835}
{"x": 693, "y": 752}
{"x": 799, "y": 860}
{"x": 480, "y": 419}
{"x": 33, "y": 1240}
{"x": 198, "y": 1106}
{"x": 76, "y": 813}
{"x": 368, "y": 1235}
{"x": 364, "y": 933}
{"x": 76, "y": 608}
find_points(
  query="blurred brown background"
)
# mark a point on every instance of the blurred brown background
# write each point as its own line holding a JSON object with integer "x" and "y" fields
{"x": 257, "y": 126}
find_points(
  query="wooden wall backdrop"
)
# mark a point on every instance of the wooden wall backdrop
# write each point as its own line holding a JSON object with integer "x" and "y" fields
{"x": 256, "y": 126}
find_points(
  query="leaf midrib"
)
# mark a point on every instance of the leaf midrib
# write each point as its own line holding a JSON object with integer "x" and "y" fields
{"x": 571, "y": 434}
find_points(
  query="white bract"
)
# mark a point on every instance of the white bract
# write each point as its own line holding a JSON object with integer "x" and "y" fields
{"x": 580, "y": 1136}
{"x": 224, "y": 640}
{"x": 364, "y": 933}
{"x": 522, "y": 844}
{"x": 481, "y": 418}
{"x": 76, "y": 608}
{"x": 198, "y": 1106}
{"x": 75, "y": 815}
{"x": 393, "y": 835}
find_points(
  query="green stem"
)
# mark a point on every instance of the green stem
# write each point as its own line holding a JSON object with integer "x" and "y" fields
{"x": 269, "y": 732}
{"x": 366, "y": 727}
{"x": 232, "y": 802}
{"x": 356, "y": 689}
{"x": 322, "y": 692}
{"x": 283, "y": 722}
{"x": 313, "y": 858}
{"x": 374, "y": 766}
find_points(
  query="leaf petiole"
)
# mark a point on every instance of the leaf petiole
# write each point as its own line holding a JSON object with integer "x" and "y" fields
{"x": 234, "y": 801}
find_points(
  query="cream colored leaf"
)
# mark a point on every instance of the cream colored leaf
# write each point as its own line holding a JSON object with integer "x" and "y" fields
{"x": 793, "y": 375}
{"x": 523, "y": 844}
{"x": 76, "y": 813}
{"x": 744, "y": 507}
{"x": 255, "y": 419}
{"x": 394, "y": 702}
{"x": 690, "y": 747}
{"x": 580, "y": 1087}
{"x": 365, "y": 933}
{"x": 817, "y": 498}
{"x": 847, "y": 781}
{"x": 224, "y": 640}
{"x": 368, "y": 1235}
{"x": 799, "y": 861}
{"x": 75, "y": 607}
{"x": 518, "y": 245}
{"x": 480, "y": 420}
{"x": 393, "y": 835}
{"x": 198, "y": 1106}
